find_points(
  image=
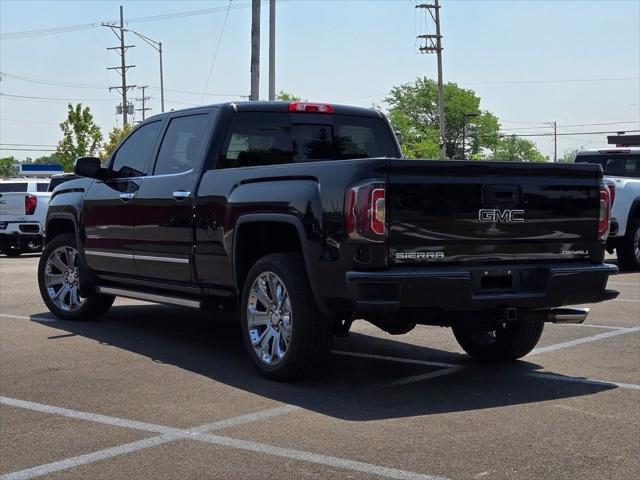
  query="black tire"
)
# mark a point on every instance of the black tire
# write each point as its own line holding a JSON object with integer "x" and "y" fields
{"x": 507, "y": 343}
{"x": 629, "y": 249}
{"x": 91, "y": 308}
{"x": 311, "y": 332}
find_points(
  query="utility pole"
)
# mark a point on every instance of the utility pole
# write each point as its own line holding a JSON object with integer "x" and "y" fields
{"x": 433, "y": 43}
{"x": 255, "y": 50}
{"x": 143, "y": 99}
{"x": 272, "y": 50}
{"x": 119, "y": 30}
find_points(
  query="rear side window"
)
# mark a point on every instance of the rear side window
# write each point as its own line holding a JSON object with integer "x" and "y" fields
{"x": 130, "y": 160}
{"x": 276, "y": 138}
{"x": 42, "y": 187}
{"x": 181, "y": 144}
{"x": 617, "y": 165}
{"x": 13, "y": 187}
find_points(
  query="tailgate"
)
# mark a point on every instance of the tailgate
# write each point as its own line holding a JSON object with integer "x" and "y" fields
{"x": 492, "y": 212}
{"x": 12, "y": 203}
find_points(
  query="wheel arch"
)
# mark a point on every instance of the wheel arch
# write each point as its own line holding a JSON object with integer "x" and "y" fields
{"x": 243, "y": 259}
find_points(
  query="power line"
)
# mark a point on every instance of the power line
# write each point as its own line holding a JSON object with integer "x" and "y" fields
{"x": 564, "y": 134}
{"x": 576, "y": 125}
{"x": 28, "y": 144}
{"x": 28, "y": 149}
{"x": 60, "y": 83}
{"x": 51, "y": 82}
{"x": 215, "y": 54}
{"x": 86, "y": 26}
{"x": 29, "y": 97}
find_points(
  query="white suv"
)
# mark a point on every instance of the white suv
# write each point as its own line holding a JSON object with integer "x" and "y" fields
{"x": 622, "y": 167}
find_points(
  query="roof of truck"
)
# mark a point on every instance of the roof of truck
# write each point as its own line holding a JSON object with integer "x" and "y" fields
{"x": 280, "y": 107}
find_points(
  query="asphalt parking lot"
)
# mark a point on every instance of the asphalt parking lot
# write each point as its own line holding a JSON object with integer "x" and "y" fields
{"x": 158, "y": 392}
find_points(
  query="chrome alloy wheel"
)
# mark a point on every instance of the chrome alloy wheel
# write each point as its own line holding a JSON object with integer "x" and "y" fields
{"x": 61, "y": 278}
{"x": 636, "y": 244}
{"x": 269, "y": 318}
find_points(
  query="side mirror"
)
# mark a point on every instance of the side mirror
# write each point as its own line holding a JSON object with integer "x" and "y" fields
{"x": 87, "y": 167}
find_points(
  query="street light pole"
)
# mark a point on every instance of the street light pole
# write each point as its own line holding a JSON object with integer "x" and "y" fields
{"x": 158, "y": 47}
{"x": 161, "y": 79}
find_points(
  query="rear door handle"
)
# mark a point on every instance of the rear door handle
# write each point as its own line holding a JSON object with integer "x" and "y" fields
{"x": 125, "y": 197}
{"x": 181, "y": 194}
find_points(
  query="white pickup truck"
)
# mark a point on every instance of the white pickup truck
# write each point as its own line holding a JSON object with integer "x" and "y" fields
{"x": 23, "y": 209}
{"x": 621, "y": 168}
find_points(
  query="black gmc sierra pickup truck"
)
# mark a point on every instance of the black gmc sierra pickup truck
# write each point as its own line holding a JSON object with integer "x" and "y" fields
{"x": 305, "y": 216}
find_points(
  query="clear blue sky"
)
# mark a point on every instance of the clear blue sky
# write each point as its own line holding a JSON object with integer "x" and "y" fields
{"x": 341, "y": 51}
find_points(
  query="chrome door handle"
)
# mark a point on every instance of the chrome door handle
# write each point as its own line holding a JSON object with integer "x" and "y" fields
{"x": 181, "y": 195}
{"x": 127, "y": 196}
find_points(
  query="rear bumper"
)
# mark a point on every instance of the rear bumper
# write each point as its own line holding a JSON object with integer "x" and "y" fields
{"x": 472, "y": 288}
{"x": 19, "y": 228}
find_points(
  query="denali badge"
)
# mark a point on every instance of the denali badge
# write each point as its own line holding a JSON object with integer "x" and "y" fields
{"x": 418, "y": 255}
{"x": 500, "y": 216}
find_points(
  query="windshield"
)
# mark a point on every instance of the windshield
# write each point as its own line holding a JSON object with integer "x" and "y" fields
{"x": 615, "y": 165}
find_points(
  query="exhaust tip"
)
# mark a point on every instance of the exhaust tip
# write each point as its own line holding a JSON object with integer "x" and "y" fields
{"x": 568, "y": 315}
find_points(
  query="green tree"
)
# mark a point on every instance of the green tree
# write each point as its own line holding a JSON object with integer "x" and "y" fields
{"x": 287, "y": 97}
{"x": 8, "y": 167}
{"x": 115, "y": 137}
{"x": 80, "y": 136}
{"x": 413, "y": 112}
{"x": 569, "y": 156}
{"x": 515, "y": 149}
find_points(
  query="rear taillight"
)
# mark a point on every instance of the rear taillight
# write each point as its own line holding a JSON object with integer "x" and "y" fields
{"x": 365, "y": 211}
{"x": 30, "y": 204}
{"x": 310, "y": 107}
{"x": 612, "y": 191}
{"x": 605, "y": 211}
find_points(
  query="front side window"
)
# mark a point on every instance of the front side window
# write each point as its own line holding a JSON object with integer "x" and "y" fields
{"x": 181, "y": 145}
{"x": 131, "y": 159}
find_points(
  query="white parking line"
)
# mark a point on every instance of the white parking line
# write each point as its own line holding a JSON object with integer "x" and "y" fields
{"x": 608, "y": 327}
{"x": 335, "y": 462}
{"x": 580, "y": 341}
{"x": 199, "y": 433}
{"x": 417, "y": 378}
{"x": 395, "y": 359}
{"x": 88, "y": 458}
{"x": 35, "y": 318}
{"x": 624, "y": 283}
{"x": 553, "y": 376}
{"x": 628, "y": 300}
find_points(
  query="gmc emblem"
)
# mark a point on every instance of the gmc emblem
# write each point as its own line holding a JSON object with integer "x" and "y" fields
{"x": 487, "y": 215}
